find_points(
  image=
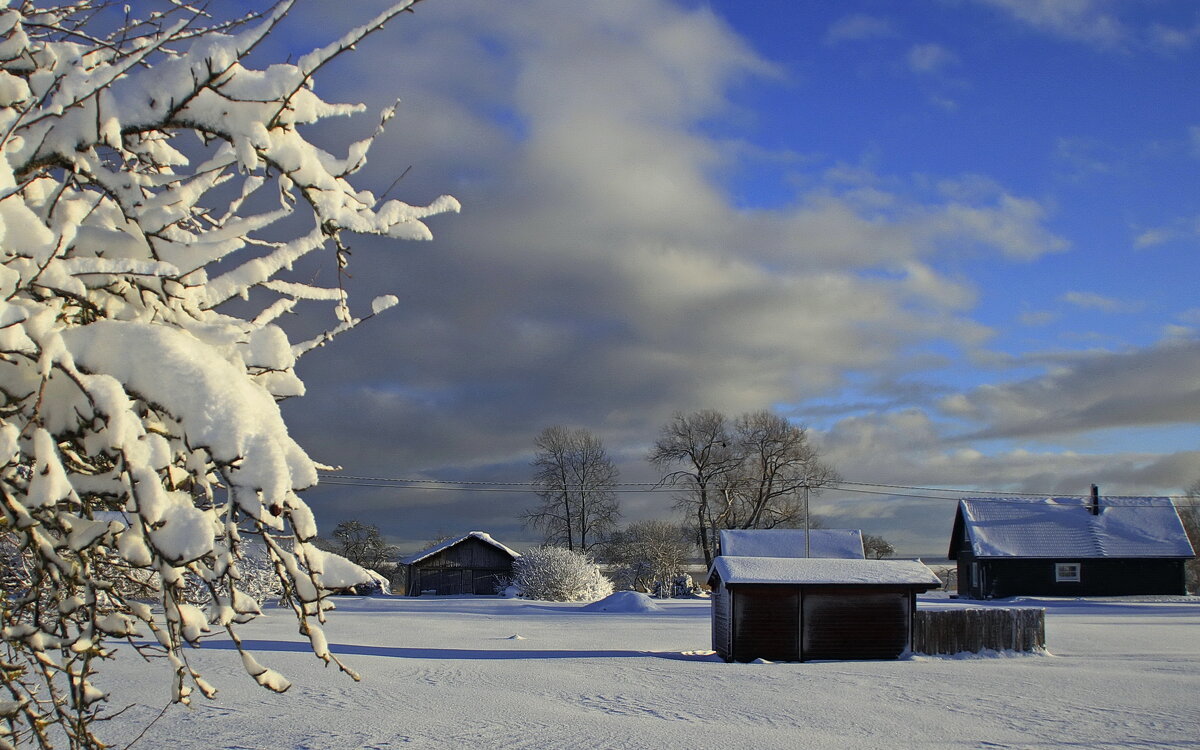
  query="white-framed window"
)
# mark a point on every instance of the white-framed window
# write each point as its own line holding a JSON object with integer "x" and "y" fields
{"x": 1066, "y": 572}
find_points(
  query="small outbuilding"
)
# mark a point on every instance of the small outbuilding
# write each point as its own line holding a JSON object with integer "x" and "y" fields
{"x": 474, "y": 563}
{"x": 841, "y": 543}
{"x": 1069, "y": 546}
{"x": 802, "y": 609}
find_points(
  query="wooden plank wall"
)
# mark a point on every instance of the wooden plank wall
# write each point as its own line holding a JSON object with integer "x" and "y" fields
{"x": 955, "y": 631}
{"x": 854, "y": 624}
{"x": 722, "y": 622}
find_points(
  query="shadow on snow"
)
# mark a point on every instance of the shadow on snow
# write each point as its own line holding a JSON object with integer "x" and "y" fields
{"x": 347, "y": 649}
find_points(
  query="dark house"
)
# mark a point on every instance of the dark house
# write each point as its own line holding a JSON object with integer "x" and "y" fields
{"x": 1069, "y": 546}
{"x": 471, "y": 564}
{"x": 801, "y": 609}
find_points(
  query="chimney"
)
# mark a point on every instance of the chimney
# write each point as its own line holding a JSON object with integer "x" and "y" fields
{"x": 1094, "y": 508}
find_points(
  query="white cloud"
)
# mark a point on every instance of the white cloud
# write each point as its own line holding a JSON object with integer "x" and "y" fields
{"x": 1093, "y": 301}
{"x": 1034, "y": 318}
{"x": 596, "y": 255}
{"x": 600, "y": 276}
{"x": 1013, "y": 225}
{"x": 1105, "y": 24}
{"x": 857, "y": 27}
{"x": 1083, "y": 20}
{"x": 1176, "y": 230}
{"x": 1090, "y": 392}
{"x": 1178, "y": 332}
{"x": 1082, "y": 158}
{"x": 1172, "y": 39}
{"x": 930, "y": 58}
{"x": 906, "y": 447}
{"x": 910, "y": 449}
{"x": 1153, "y": 237}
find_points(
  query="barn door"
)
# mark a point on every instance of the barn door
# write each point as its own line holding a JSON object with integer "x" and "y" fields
{"x": 485, "y": 581}
{"x": 854, "y": 625}
{"x": 446, "y": 582}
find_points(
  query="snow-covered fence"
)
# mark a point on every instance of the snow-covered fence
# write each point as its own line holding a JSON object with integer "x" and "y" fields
{"x": 954, "y": 631}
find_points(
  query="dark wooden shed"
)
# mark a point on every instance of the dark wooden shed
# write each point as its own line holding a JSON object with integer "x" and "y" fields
{"x": 474, "y": 563}
{"x": 803, "y": 609}
{"x": 1069, "y": 546}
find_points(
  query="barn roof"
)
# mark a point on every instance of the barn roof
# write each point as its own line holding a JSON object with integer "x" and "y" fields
{"x": 1062, "y": 527}
{"x": 814, "y": 570}
{"x": 843, "y": 543}
{"x": 480, "y": 535}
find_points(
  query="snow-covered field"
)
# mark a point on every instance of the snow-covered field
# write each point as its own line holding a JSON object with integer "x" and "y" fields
{"x": 488, "y": 673}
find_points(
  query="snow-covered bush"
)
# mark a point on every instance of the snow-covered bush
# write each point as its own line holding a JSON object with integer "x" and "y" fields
{"x": 149, "y": 176}
{"x": 558, "y": 574}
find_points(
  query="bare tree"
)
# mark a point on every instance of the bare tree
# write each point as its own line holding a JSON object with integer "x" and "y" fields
{"x": 778, "y": 465}
{"x": 649, "y": 555}
{"x": 362, "y": 544}
{"x": 876, "y": 547}
{"x": 702, "y": 445}
{"x": 575, "y": 480}
{"x": 754, "y": 474}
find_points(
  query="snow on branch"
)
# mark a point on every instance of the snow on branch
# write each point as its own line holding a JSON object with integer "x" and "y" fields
{"x": 148, "y": 483}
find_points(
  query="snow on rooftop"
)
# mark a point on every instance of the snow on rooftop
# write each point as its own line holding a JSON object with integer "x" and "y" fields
{"x": 813, "y": 570}
{"x": 841, "y": 543}
{"x": 480, "y": 535}
{"x": 1065, "y": 527}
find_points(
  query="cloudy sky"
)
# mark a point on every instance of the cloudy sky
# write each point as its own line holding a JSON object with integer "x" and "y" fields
{"x": 957, "y": 239}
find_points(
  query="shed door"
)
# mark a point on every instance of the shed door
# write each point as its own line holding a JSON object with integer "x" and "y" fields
{"x": 841, "y": 624}
{"x": 764, "y": 623}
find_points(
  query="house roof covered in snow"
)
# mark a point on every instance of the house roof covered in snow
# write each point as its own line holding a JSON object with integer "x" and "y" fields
{"x": 815, "y": 570}
{"x": 843, "y": 543}
{"x": 1061, "y": 527}
{"x": 480, "y": 535}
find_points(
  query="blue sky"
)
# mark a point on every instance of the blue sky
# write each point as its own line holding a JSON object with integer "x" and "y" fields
{"x": 958, "y": 239}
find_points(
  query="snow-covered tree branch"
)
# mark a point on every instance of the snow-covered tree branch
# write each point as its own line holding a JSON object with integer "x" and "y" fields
{"x": 148, "y": 177}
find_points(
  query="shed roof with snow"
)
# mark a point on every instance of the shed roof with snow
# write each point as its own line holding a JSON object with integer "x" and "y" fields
{"x": 830, "y": 543}
{"x": 435, "y": 549}
{"x": 1070, "y": 527}
{"x": 818, "y": 571}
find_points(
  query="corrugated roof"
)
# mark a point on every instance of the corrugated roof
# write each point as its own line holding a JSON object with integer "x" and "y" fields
{"x": 839, "y": 543}
{"x": 480, "y": 535}
{"x": 1063, "y": 527}
{"x": 813, "y": 570}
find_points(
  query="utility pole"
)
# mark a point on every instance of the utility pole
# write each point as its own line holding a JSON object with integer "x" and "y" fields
{"x": 807, "y": 550}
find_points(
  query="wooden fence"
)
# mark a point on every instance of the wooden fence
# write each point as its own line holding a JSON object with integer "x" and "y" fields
{"x": 954, "y": 631}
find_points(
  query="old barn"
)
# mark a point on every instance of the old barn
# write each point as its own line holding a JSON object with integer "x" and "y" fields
{"x": 1069, "y": 546}
{"x": 474, "y": 563}
{"x": 802, "y": 609}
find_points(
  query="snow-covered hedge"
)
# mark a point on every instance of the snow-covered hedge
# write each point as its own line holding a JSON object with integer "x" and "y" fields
{"x": 148, "y": 177}
{"x": 559, "y": 575}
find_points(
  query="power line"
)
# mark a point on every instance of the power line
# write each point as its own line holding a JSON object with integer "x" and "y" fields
{"x": 451, "y": 486}
{"x": 444, "y": 488}
{"x": 846, "y": 486}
